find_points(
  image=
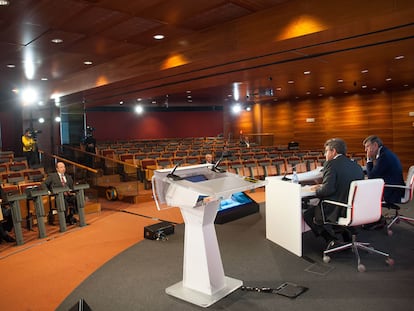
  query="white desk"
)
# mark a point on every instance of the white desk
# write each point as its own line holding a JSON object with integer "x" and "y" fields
{"x": 284, "y": 221}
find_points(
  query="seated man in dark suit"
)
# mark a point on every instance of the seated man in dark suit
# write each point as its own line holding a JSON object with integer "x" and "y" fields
{"x": 6, "y": 221}
{"x": 338, "y": 173}
{"x": 383, "y": 163}
{"x": 60, "y": 179}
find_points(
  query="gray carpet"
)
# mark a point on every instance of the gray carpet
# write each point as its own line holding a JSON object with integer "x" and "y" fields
{"x": 136, "y": 279}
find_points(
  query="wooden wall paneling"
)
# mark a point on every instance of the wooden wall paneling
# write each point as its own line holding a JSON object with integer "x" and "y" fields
{"x": 403, "y": 127}
{"x": 305, "y": 131}
{"x": 278, "y": 119}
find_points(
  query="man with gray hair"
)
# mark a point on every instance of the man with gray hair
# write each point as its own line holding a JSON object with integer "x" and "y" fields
{"x": 338, "y": 173}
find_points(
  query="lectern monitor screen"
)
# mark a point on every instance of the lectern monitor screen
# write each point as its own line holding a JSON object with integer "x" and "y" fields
{"x": 237, "y": 199}
{"x": 196, "y": 178}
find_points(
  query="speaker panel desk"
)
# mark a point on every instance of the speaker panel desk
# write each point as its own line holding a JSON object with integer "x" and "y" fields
{"x": 284, "y": 221}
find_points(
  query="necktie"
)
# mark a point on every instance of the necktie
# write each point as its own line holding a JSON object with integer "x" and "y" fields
{"x": 62, "y": 179}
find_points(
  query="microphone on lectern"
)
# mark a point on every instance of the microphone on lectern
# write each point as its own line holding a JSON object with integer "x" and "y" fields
{"x": 172, "y": 175}
{"x": 216, "y": 168}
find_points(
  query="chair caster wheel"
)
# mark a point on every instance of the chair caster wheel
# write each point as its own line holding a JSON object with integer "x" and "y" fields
{"x": 390, "y": 262}
{"x": 361, "y": 268}
{"x": 326, "y": 259}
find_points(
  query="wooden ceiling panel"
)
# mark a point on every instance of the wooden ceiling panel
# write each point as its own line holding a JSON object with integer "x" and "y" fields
{"x": 49, "y": 13}
{"x": 180, "y": 10}
{"x": 44, "y": 41}
{"x": 129, "y": 28}
{"x": 214, "y": 16}
{"x": 219, "y": 42}
{"x": 92, "y": 20}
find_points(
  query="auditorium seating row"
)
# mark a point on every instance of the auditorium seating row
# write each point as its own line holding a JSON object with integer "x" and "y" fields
{"x": 242, "y": 153}
{"x": 27, "y": 206}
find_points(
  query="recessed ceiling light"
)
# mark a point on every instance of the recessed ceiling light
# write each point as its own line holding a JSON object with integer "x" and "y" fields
{"x": 121, "y": 102}
{"x": 158, "y": 37}
{"x": 11, "y": 66}
{"x": 88, "y": 62}
{"x": 44, "y": 79}
{"x": 291, "y": 81}
{"x": 321, "y": 87}
{"x": 340, "y": 80}
{"x": 364, "y": 71}
{"x": 399, "y": 57}
{"x": 307, "y": 72}
{"x": 57, "y": 40}
{"x": 388, "y": 79}
{"x": 364, "y": 86}
{"x": 4, "y": 2}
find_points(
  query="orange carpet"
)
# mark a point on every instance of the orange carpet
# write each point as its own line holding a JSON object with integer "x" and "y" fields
{"x": 41, "y": 273}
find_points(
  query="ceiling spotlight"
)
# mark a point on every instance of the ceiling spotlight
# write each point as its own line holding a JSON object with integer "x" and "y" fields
{"x": 41, "y": 120}
{"x": 307, "y": 72}
{"x": 4, "y": 2}
{"x": 87, "y": 62}
{"x": 57, "y": 119}
{"x": 158, "y": 37}
{"x": 56, "y": 40}
{"x": 399, "y": 57}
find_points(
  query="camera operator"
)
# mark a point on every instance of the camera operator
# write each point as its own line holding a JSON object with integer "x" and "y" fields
{"x": 29, "y": 147}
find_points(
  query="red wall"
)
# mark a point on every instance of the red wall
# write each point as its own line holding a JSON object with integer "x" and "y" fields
{"x": 154, "y": 125}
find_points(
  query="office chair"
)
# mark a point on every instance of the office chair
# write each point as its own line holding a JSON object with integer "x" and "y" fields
{"x": 408, "y": 196}
{"x": 363, "y": 207}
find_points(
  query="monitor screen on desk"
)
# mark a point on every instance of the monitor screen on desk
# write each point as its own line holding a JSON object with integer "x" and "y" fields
{"x": 237, "y": 199}
{"x": 237, "y": 206}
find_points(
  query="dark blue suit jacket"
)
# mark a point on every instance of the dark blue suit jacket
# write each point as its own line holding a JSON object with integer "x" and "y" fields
{"x": 388, "y": 167}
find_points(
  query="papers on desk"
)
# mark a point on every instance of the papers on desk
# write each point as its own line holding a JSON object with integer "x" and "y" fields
{"x": 306, "y": 191}
{"x": 311, "y": 175}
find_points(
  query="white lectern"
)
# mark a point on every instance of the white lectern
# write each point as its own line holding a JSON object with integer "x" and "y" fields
{"x": 197, "y": 190}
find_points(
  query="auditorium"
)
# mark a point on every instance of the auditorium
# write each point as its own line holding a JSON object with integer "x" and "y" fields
{"x": 195, "y": 136}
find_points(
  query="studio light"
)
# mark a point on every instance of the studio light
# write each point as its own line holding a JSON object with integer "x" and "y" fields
{"x": 237, "y": 108}
{"x": 139, "y": 109}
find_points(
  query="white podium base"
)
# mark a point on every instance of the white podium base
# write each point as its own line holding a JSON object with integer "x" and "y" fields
{"x": 198, "y": 298}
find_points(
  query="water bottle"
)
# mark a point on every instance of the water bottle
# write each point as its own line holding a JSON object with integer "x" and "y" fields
{"x": 295, "y": 178}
